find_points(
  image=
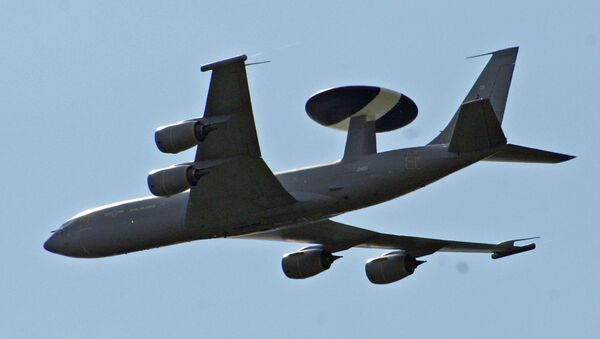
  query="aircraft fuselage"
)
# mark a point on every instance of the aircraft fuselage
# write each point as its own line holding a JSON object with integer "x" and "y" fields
{"x": 321, "y": 192}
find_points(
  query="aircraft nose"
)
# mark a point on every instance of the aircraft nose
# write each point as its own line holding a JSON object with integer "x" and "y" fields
{"x": 53, "y": 244}
{"x": 65, "y": 242}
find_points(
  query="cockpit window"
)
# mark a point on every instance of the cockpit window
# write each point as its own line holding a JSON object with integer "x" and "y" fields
{"x": 69, "y": 222}
{"x": 96, "y": 209}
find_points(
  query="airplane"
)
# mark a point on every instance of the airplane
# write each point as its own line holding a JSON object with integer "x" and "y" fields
{"x": 228, "y": 191}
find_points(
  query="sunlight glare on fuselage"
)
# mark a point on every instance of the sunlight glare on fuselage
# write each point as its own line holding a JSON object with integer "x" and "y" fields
{"x": 100, "y": 208}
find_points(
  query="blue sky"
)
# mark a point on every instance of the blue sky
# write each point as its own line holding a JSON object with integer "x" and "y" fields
{"x": 83, "y": 85}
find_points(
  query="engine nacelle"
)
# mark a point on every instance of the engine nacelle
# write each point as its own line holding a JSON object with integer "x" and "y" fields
{"x": 391, "y": 267}
{"x": 174, "y": 179}
{"x": 307, "y": 262}
{"x": 181, "y": 136}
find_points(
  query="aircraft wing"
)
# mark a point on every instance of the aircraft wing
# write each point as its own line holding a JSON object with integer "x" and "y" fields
{"x": 242, "y": 183}
{"x": 335, "y": 236}
{"x": 229, "y": 98}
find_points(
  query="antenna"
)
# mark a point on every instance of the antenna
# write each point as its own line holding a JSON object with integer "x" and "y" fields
{"x": 258, "y": 63}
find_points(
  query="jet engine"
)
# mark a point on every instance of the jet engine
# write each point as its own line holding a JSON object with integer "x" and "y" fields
{"x": 181, "y": 136}
{"x": 174, "y": 179}
{"x": 307, "y": 262}
{"x": 391, "y": 267}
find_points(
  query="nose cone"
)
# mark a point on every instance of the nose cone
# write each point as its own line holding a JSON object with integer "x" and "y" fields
{"x": 53, "y": 244}
{"x": 66, "y": 242}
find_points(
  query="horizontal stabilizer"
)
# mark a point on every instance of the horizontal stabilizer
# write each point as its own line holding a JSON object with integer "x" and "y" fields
{"x": 514, "y": 153}
{"x": 477, "y": 128}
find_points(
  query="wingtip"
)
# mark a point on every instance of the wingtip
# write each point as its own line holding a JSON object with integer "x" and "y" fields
{"x": 516, "y": 250}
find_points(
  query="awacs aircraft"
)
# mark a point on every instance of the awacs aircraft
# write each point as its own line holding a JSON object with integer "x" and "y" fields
{"x": 229, "y": 191}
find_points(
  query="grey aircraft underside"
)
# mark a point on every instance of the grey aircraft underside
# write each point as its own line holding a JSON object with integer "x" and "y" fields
{"x": 229, "y": 191}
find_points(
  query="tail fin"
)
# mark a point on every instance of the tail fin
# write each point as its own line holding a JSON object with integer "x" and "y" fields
{"x": 476, "y": 126}
{"x": 493, "y": 84}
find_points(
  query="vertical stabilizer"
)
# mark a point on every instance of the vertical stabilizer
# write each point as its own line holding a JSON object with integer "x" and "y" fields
{"x": 493, "y": 84}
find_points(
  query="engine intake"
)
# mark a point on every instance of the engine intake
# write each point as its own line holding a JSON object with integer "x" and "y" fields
{"x": 307, "y": 262}
{"x": 181, "y": 136}
{"x": 173, "y": 180}
{"x": 391, "y": 267}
